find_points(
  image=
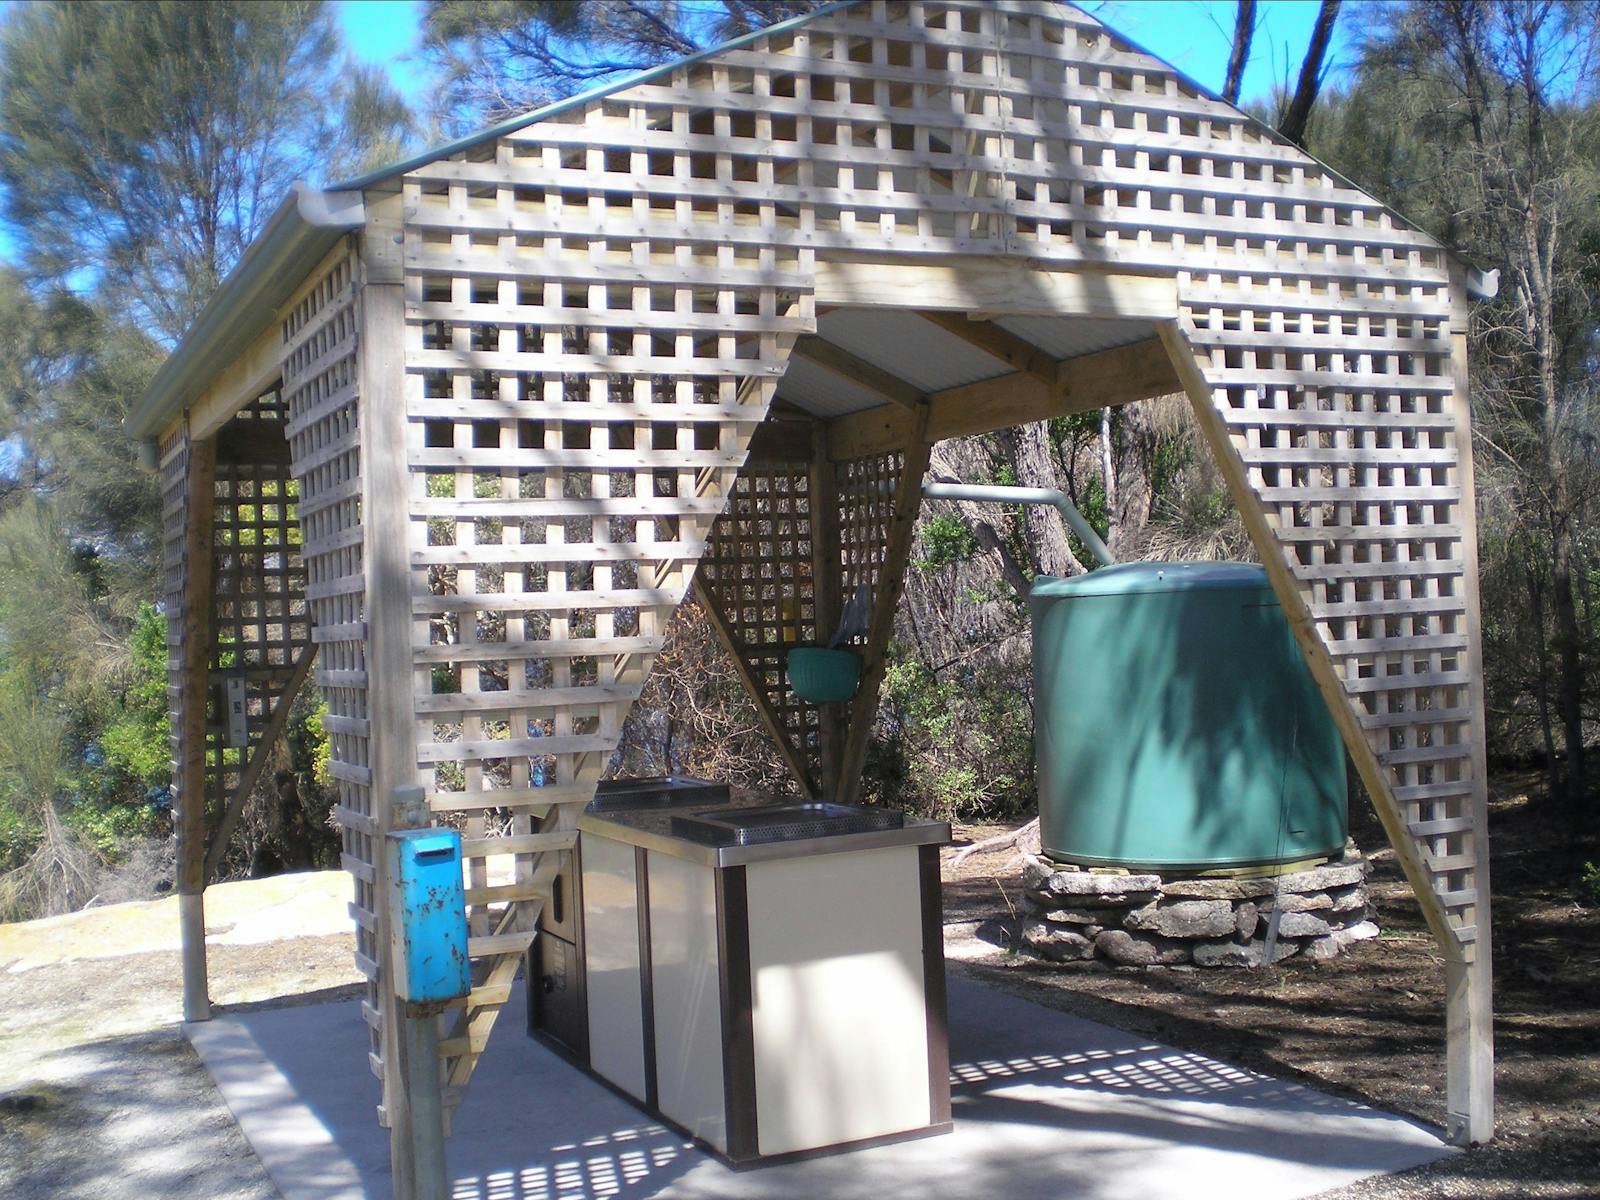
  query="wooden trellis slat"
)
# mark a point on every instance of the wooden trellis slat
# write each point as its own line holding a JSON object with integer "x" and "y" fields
{"x": 597, "y": 308}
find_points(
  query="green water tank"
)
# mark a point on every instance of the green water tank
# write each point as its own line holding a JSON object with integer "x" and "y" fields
{"x": 1176, "y": 725}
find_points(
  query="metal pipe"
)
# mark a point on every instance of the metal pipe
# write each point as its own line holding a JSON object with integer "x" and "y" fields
{"x": 1027, "y": 495}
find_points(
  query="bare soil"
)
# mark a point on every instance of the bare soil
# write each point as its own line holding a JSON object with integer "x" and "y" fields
{"x": 1370, "y": 1025}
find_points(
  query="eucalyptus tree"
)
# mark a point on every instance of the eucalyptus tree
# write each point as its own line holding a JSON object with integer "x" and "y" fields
{"x": 499, "y": 58}
{"x": 143, "y": 146}
{"x": 1481, "y": 120}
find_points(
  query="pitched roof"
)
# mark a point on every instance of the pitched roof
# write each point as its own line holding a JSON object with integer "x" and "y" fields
{"x": 307, "y": 224}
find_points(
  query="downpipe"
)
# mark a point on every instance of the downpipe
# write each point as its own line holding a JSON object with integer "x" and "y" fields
{"x": 1001, "y": 494}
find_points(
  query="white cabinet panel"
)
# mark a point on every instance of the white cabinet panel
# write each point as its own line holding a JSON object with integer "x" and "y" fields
{"x": 611, "y": 955}
{"x": 841, "y": 1039}
{"x": 688, "y": 1010}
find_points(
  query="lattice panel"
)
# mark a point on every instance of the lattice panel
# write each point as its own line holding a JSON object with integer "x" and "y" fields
{"x": 599, "y": 303}
{"x": 173, "y": 465}
{"x": 866, "y": 489}
{"x": 320, "y": 392}
{"x": 579, "y": 409}
{"x": 757, "y": 573}
{"x": 260, "y": 627}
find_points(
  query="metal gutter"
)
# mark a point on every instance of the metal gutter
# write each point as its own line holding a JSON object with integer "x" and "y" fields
{"x": 600, "y": 92}
{"x": 297, "y": 236}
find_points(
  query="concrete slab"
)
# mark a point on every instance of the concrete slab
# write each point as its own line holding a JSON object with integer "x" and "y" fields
{"x": 1046, "y": 1106}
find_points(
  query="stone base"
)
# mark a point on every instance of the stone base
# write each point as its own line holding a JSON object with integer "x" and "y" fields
{"x": 1075, "y": 913}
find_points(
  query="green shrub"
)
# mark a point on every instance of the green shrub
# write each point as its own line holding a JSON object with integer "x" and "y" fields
{"x": 952, "y": 745}
{"x": 1589, "y": 885}
{"x": 135, "y": 743}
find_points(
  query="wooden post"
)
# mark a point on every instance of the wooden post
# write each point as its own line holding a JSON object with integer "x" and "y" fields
{"x": 826, "y": 598}
{"x": 891, "y": 578}
{"x": 418, "y": 1045}
{"x": 199, "y": 500}
{"x": 1469, "y": 985}
{"x": 385, "y": 516}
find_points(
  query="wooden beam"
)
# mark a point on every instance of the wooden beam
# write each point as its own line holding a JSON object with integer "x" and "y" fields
{"x": 1104, "y": 379}
{"x": 276, "y": 723}
{"x": 1297, "y": 611}
{"x": 891, "y": 580}
{"x": 991, "y": 285}
{"x": 724, "y": 631}
{"x": 847, "y": 366}
{"x": 1017, "y": 353}
{"x": 387, "y": 565}
{"x": 257, "y": 369}
{"x": 200, "y": 494}
{"x": 252, "y": 373}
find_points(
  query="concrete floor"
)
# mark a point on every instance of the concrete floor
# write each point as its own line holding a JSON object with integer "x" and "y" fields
{"x": 1046, "y": 1106}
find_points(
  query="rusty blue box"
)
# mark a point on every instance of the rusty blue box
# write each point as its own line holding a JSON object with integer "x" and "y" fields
{"x": 430, "y": 915}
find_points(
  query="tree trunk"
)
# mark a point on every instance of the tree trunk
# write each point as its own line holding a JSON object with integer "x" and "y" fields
{"x": 1244, "y": 30}
{"x": 1293, "y": 124}
{"x": 1541, "y": 679}
{"x": 1027, "y": 450}
{"x": 1569, "y": 649}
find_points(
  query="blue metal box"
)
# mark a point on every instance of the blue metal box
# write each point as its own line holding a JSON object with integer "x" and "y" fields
{"x": 430, "y": 915}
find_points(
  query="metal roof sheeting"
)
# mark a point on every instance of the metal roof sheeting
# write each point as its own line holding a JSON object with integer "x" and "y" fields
{"x": 1068, "y": 337}
{"x": 909, "y": 348}
{"x": 822, "y": 393}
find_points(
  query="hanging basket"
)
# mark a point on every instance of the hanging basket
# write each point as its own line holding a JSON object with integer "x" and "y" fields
{"x": 823, "y": 676}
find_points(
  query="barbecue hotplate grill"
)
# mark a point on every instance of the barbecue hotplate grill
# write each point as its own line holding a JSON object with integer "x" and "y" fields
{"x": 780, "y": 823}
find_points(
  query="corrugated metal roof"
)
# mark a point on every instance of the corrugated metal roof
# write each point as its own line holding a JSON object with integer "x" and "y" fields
{"x": 930, "y": 358}
{"x": 1068, "y": 337}
{"x": 908, "y": 347}
{"x": 822, "y": 393}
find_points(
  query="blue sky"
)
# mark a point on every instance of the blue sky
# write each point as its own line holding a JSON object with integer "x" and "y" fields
{"x": 1192, "y": 35}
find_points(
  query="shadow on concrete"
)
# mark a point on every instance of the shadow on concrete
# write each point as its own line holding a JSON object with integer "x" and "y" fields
{"x": 1046, "y": 1105}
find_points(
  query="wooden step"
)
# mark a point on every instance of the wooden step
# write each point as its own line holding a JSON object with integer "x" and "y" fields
{"x": 499, "y": 943}
{"x": 503, "y": 893}
{"x": 521, "y": 843}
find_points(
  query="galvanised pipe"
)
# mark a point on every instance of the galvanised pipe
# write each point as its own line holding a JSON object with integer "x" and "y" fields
{"x": 1002, "y": 494}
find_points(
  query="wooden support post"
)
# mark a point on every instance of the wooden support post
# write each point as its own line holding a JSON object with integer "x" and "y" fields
{"x": 891, "y": 578}
{"x": 386, "y": 547}
{"x": 193, "y": 691}
{"x": 418, "y": 1045}
{"x": 1469, "y": 985}
{"x": 826, "y": 597}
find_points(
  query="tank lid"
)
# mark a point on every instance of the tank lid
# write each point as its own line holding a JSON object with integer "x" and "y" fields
{"x": 1126, "y": 579}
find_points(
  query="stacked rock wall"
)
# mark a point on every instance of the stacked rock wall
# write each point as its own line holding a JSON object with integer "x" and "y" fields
{"x": 1073, "y": 914}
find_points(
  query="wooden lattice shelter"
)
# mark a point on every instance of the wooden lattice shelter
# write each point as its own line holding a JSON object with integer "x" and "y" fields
{"x": 456, "y": 438}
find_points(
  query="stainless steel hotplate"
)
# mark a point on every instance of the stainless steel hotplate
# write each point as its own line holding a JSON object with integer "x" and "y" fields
{"x": 781, "y": 823}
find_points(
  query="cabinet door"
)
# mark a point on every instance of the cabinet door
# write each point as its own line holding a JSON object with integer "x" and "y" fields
{"x": 611, "y": 957}
{"x": 555, "y": 992}
{"x": 686, "y": 993}
{"x": 841, "y": 1031}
